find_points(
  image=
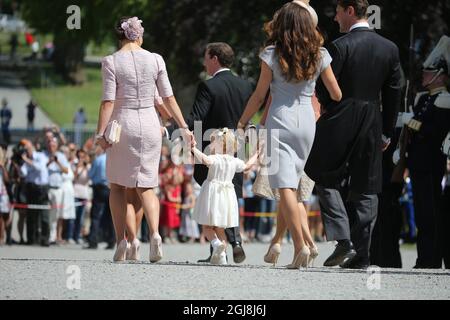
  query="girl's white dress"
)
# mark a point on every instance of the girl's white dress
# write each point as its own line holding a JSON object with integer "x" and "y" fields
{"x": 67, "y": 210}
{"x": 217, "y": 204}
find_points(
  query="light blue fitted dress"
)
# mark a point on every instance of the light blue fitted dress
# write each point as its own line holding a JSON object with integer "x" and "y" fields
{"x": 290, "y": 123}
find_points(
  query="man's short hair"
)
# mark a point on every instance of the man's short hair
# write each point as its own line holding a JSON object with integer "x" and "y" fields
{"x": 360, "y": 7}
{"x": 222, "y": 51}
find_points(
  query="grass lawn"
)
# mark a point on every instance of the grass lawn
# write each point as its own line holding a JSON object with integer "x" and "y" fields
{"x": 57, "y": 99}
{"x": 60, "y": 101}
{"x": 22, "y": 48}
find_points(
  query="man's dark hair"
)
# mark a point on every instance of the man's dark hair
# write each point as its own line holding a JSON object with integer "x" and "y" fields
{"x": 360, "y": 7}
{"x": 222, "y": 51}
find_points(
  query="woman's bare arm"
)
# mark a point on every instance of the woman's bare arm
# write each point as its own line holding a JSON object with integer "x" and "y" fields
{"x": 106, "y": 110}
{"x": 330, "y": 82}
{"x": 263, "y": 119}
{"x": 163, "y": 111}
{"x": 258, "y": 97}
{"x": 175, "y": 111}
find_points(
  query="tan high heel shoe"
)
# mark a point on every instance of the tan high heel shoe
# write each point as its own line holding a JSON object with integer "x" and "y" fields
{"x": 133, "y": 250}
{"x": 314, "y": 254}
{"x": 121, "y": 251}
{"x": 273, "y": 254}
{"x": 156, "y": 249}
{"x": 301, "y": 259}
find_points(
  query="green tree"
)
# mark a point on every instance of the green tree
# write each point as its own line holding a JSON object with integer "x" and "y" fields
{"x": 180, "y": 29}
{"x": 97, "y": 22}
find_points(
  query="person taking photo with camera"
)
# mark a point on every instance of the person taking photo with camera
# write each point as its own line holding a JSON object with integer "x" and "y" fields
{"x": 34, "y": 171}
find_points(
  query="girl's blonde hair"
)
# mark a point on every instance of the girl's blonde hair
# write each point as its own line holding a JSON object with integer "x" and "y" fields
{"x": 227, "y": 138}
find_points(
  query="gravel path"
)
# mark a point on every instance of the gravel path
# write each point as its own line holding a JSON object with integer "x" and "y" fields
{"x": 45, "y": 273}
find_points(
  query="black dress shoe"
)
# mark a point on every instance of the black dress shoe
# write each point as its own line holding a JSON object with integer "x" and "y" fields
{"x": 207, "y": 260}
{"x": 45, "y": 243}
{"x": 110, "y": 246}
{"x": 355, "y": 263}
{"x": 91, "y": 246}
{"x": 238, "y": 252}
{"x": 342, "y": 253}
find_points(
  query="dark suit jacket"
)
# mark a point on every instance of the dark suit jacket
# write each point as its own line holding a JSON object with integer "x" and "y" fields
{"x": 367, "y": 68}
{"x": 219, "y": 102}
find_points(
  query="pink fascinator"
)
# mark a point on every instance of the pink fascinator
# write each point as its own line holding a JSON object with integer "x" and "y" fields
{"x": 133, "y": 28}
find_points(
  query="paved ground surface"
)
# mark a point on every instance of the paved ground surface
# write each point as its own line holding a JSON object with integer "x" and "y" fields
{"x": 42, "y": 273}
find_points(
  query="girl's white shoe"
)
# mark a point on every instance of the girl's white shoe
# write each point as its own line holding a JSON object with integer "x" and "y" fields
{"x": 218, "y": 255}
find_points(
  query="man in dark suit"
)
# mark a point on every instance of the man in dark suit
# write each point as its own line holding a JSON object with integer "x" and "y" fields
{"x": 351, "y": 135}
{"x": 219, "y": 103}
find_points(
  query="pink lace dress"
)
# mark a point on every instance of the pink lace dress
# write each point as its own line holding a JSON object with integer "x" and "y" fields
{"x": 130, "y": 79}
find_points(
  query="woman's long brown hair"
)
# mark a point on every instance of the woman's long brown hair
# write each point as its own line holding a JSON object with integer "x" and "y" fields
{"x": 297, "y": 42}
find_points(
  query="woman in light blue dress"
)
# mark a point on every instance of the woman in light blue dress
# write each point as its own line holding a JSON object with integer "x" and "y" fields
{"x": 291, "y": 63}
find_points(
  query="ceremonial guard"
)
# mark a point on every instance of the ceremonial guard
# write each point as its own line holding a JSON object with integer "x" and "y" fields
{"x": 425, "y": 157}
{"x": 446, "y": 212}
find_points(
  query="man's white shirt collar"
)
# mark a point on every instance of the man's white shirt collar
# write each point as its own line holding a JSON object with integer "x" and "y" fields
{"x": 364, "y": 24}
{"x": 220, "y": 70}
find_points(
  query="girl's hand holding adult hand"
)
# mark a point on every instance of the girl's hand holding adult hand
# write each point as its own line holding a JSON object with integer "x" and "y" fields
{"x": 189, "y": 136}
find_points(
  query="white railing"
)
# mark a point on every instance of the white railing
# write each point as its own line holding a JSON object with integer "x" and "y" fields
{"x": 78, "y": 134}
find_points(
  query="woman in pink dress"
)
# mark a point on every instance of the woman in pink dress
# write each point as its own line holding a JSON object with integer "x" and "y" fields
{"x": 130, "y": 79}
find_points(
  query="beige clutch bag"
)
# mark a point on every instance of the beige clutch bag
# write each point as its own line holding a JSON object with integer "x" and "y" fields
{"x": 261, "y": 186}
{"x": 112, "y": 132}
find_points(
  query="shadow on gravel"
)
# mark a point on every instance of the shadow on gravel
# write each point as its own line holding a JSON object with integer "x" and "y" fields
{"x": 425, "y": 272}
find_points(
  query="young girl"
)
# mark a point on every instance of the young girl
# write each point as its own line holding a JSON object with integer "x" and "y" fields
{"x": 216, "y": 207}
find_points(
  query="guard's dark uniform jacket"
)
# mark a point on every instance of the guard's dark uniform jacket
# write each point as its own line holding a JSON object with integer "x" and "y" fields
{"x": 427, "y": 166}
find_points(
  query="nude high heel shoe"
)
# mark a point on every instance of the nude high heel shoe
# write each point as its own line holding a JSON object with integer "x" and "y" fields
{"x": 121, "y": 251}
{"x": 133, "y": 250}
{"x": 314, "y": 254}
{"x": 156, "y": 249}
{"x": 301, "y": 259}
{"x": 273, "y": 254}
